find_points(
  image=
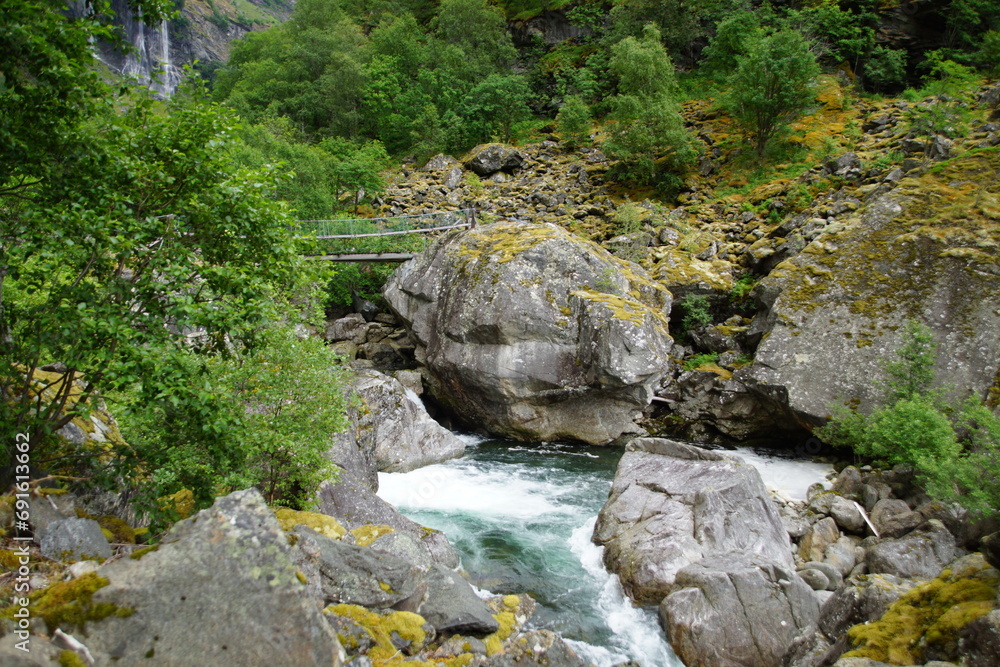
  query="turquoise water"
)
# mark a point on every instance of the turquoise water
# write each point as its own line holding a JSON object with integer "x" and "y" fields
{"x": 521, "y": 517}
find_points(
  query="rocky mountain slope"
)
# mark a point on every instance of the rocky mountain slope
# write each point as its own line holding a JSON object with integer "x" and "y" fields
{"x": 806, "y": 275}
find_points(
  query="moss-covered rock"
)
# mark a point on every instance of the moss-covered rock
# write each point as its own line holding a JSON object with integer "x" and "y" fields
{"x": 217, "y": 579}
{"x": 928, "y": 250}
{"x": 321, "y": 523}
{"x": 534, "y": 333}
{"x": 927, "y": 622}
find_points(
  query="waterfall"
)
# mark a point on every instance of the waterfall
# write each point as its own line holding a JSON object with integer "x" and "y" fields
{"x": 149, "y": 60}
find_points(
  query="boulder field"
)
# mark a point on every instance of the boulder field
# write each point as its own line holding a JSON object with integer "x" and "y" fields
{"x": 870, "y": 572}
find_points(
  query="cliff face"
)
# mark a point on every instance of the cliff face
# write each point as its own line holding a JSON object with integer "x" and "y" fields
{"x": 202, "y": 33}
{"x": 206, "y": 28}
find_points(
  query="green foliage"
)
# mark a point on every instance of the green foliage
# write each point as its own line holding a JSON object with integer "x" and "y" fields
{"x": 947, "y": 77}
{"x": 885, "y": 69}
{"x": 681, "y": 24}
{"x": 697, "y": 361}
{"x": 842, "y": 32}
{"x": 310, "y": 69}
{"x": 143, "y": 257}
{"x": 642, "y": 66}
{"x": 988, "y": 56}
{"x": 955, "y": 452}
{"x": 263, "y": 418}
{"x": 697, "y": 312}
{"x": 647, "y": 135}
{"x": 357, "y": 279}
{"x": 573, "y": 121}
{"x": 742, "y": 287}
{"x": 627, "y": 219}
{"x": 771, "y": 85}
{"x": 734, "y": 37}
{"x": 912, "y": 373}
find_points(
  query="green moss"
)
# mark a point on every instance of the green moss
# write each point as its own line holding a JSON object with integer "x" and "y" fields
{"x": 321, "y": 523}
{"x": 69, "y": 604}
{"x": 121, "y": 532}
{"x": 8, "y": 559}
{"x": 139, "y": 553}
{"x": 931, "y": 615}
{"x": 381, "y": 627}
{"x": 365, "y": 535}
{"x": 69, "y": 658}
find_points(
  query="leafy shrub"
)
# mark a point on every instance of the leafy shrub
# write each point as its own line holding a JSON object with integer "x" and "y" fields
{"x": 955, "y": 451}
{"x": 626, "y": 219}
{"x": 573, "y": 121}
{"x": 262, "y": 417}
{"x": 697, "y": 312}
{"x": 885, "y": 68}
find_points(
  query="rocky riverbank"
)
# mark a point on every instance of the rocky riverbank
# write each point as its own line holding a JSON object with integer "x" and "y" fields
{"x": 869, "y": 572}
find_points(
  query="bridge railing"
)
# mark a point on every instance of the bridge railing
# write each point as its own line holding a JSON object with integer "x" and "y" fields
{"x": 380, "y": 239}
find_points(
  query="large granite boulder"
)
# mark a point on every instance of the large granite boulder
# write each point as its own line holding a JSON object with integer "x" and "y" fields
{"x": 736, "y": 610}
{"x": 217, "y": 581}
{"x": 533, "y": 333}
{"x": 673, "y": 504}
{"x": 839, "y": 308}
{"x": 355, "y": 575}
{"x": 487, "y": 159}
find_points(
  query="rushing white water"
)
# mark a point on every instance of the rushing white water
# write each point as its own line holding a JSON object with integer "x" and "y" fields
{"x": 522, "y": 516}
{"x": 788, "y": 476}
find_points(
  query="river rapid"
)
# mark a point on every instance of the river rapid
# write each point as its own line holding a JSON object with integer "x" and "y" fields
{"x": 521, "y": 516}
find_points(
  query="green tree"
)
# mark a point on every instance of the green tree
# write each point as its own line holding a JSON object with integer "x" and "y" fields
{"x": 264, "y": 419}
{"x": 733, "y": 38}
{"x": 647, "y": 135}
{"x": 772, "y": 84}
{"x": 479, "y": 30}
{"x": 573, "y": 121}
{"x": 310, "y": 69}
{"x": 885, "y": 68}
{"x": 954, "y": 450}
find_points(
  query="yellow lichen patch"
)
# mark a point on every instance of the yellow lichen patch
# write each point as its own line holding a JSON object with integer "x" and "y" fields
{"x": 404, "y": 624}
{"x": 8, "y": 559}
{"x": 69, "y": 604}
{"x": 365, "y": 535}
{"x": 511, "y": 601}
{"x": 717, "y": 369}
{"x": 932, "y": 615}
{"x": 502, "y": 243}
{"x": 620, "y": 307}
{"x": 181, "y": 502}
{"x": 494, "y": 642}
{"x": 69, "y": 658}
{"x": 321, "y": 523}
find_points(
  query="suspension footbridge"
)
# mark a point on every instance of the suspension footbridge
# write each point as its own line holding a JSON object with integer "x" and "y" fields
{"x": 391, "y": 239}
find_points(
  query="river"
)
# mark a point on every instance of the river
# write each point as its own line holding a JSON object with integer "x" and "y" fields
{"x": 521, "y": 517}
